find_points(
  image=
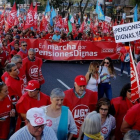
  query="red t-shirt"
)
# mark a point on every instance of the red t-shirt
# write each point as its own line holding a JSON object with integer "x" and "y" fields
{"x": 3, "y": 58}
{"x": 137, "y": 47}
{"x": 13, "y": 52}
{"x": 26, "y": 102}
{"x": 132, "y": 117}
{"x": 15, "y": 87}
{"x": 5, "y": 108}
{"x": 121, "y": 106}
{"x": 48, "y": 36}
{"x": 22, "y": 54}
{"x": 80, "y": 106}
{"x": 123, "y": 51}
{"x": 33, "y": 69}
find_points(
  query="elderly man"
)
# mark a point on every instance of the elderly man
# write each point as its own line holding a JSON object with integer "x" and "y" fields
{"x": 23, "y": 50}
{"x": 32, "y": 65}
{"x": 35, "y": 128}
{"x": 132, "y": 135}
{"x": 56, "y": 36}
{"x": 32, "y": 98}
{"x": 80, "y": 100}
{"x": 18, "y": 61}
{"x": 14, "y": 82}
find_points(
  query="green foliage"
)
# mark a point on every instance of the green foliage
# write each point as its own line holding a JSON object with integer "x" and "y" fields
{"x": 134, "y": 2}
{"x": 57, "y": 3}
{"x": 17, "y": 2}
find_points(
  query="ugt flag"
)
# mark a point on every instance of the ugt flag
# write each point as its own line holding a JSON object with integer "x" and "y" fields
{"x": 134, "y": 80}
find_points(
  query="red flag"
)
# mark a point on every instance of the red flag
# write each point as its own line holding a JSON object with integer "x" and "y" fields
{"x": 115, "y": 23}
{"x": 73, "y": 28}
{"x": 11, "y": 18}
{"x": 29, "y": 18}
{"x": 43, "y": 24}
{"x": 35, "y": 17}
{"x": 59, "y": 21}
{"x": 122, "y": 21}
{"x": 92, "y": 26}
{"x": 82, "y": 27}
{"x": 16, "y": 21}
{"x": 134, "y": 80}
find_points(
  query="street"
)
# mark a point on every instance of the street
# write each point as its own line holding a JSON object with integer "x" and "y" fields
{"x": 62, "y": 75}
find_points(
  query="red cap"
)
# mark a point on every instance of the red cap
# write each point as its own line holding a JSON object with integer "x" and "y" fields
{"x": 80, "y": 80}
{"x": 33, "y": 85}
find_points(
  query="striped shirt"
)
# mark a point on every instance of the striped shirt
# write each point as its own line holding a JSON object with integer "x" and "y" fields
{"x": 24, "y": 134}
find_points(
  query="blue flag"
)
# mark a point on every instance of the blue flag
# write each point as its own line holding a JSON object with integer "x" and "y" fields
{"x": 97, "y": 7}
{"x": 135, "y": 14}
{"x": 53, "y": 14}
{"x": 18, "y": 12}
{"x": 48, "y": 9}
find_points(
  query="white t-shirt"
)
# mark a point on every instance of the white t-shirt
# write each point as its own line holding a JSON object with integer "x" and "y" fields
{"x": 108, "y": 126}
{"x": 93, "y": 84}
{"x": 54, "y": 122}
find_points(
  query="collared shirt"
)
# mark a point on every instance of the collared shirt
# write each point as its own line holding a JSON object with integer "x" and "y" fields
{"x": 24, "y": 134}
{"x": 78, "y": 96}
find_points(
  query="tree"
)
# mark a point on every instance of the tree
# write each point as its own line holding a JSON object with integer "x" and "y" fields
{"x": 134, "y": 2}
{"x": 17, "y": 2}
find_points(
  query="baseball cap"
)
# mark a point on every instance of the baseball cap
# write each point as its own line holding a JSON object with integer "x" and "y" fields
{"x": 33, "y": 85}
{"x": 17, "y": 37}
{"x": 36, "y": 116}
{"x": 80, "y": 80}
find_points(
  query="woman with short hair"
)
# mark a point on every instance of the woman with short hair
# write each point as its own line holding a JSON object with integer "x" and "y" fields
{"x": 92, "y": 127}
{"x": 59, "y": 117}
{"x": 106, "y": 71}
{"x": 92, "y": 76}
{"x": 108, "y": 122}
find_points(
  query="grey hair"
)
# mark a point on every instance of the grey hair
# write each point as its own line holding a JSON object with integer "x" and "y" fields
{"x": 132, "y": 135}
{"x": 9, "y": 66}
{"x": 31, "y": 50}
{"x": 15, "y": 58}
{"x": 57, "y": 92}
{"x": 92, "y": 123}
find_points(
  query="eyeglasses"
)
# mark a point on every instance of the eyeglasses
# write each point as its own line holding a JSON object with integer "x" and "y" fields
{"x": 24, "y": 45}
{"x": 102, "y": 109}
{"x": 106, "y": 62}
{"x": 37, "y": 127}
{"x": 129, "y": 90}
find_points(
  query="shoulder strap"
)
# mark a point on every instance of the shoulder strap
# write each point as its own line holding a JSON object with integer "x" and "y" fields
{"x": 90, "y": 75}
{"x": 101, "y": 69}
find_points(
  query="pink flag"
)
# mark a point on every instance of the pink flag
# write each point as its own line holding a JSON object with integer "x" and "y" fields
{"x": 134, "y": 80}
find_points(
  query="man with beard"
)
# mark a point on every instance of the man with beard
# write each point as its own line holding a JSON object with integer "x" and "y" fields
{"x": 80, "y": 101}
{"x": 32, "y": 66}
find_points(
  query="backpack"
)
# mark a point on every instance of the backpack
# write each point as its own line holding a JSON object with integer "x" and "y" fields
{"x": 127, "y": 57}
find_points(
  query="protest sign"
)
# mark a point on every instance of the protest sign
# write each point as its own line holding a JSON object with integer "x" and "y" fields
{"x": 127, "y": 32}
{"x": 107, "y": 19}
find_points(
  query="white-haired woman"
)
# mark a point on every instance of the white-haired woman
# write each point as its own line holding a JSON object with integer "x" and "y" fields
{"x": 59, "y": 117}
{"x": 92, "y": 127}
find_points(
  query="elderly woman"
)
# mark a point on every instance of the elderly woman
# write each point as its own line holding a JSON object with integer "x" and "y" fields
{"x": 59, "y": 117}
{"x": 92, "y": 127}
{"x": 6, "y": 111}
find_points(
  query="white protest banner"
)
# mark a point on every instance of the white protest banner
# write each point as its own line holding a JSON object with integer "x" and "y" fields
{"x": 127, "y": 32}
{"x": 107, "y": 19}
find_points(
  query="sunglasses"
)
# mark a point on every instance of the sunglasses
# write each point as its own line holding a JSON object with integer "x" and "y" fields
{"x": 129, "y": 90}
{"x": 97, "y": 66}
{"x": 106, "y": 62}
{"x": 19, "y": 62}
{"x": 24, "y": 45}
{"x": 37, "y": 127}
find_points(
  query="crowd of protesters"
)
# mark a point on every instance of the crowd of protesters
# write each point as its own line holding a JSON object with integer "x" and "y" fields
{"x": 78, "y": 113}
